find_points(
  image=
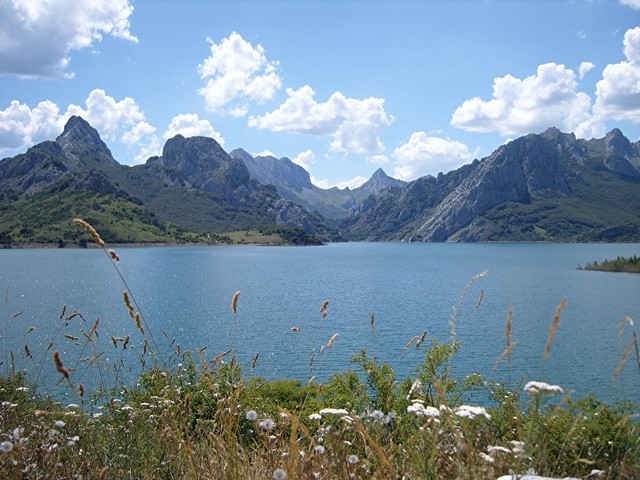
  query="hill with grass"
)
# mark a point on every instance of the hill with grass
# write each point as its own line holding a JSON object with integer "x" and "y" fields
{"x": 194, "y": 191}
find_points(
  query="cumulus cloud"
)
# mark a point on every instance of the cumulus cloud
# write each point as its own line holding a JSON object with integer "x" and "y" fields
{"x": 618, "y": 92}
{"x": 191, "y": 125}
{"x": 22, "y": 126}
{"x": 353, "y": 124}
{"x": 584, "y": 68}
{"x": 635, "y": 4}
{"x": 352, "y": 183}
{"x": 236, "y": 72}
{"x": 519, "y": 106}
{"x": 38, "y": 36}
{"x": 305, "y": 159}
{"x": 116, "y": 120}
{"x": 424, "y": 154}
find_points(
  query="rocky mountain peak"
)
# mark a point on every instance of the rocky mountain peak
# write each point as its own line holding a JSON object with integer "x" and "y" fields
{"x": 81, "y": 143}
{"x": 203, "y": 163}
{"x": 380, "y": 181}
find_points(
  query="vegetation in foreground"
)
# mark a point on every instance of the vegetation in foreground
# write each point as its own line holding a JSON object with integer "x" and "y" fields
{"x": 195, "y": 416}
{"x": 619, "y": 264}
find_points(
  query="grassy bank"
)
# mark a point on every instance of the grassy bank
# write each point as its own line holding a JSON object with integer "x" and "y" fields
{"x": 203, "y": 415}
{"x": 619, "y": 264}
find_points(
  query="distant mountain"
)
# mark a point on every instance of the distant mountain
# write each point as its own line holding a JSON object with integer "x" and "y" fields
{"x": 294, "y": 183}
{"x": 548, "y": 186}
{"x": 194, "y": 186}
{"x": 378, "y": 183}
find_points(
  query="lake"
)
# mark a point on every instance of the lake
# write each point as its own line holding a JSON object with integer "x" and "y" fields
{"x": 186, "y": 292}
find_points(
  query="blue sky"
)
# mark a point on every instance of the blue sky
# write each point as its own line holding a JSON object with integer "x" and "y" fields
{"x": 341, "y": 87}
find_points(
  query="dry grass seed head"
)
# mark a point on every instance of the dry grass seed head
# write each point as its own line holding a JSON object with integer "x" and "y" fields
{"x": 93, "y": 233}
{"x": 553, "y": 329}
{"x": 234, "y": 302}
{"x": 623, "y": 359}
{"x": 509, "y": 326}
{"x": 480, "y": 298}
{"x": 60, "y": 368}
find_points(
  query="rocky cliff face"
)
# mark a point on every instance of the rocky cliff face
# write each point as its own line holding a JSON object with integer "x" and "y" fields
{"x": 553, "y": 169}
{"x": 294, "y": 183}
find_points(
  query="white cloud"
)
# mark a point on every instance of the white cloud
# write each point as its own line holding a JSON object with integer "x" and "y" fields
{"x": 151, "y": 148}
{"x": 618, "y": 92}
{"x": 424, "y": 154}
{"x": 236, "y": 72}
{"x": 584, "y": 68}
{"x": 379, "y": 159}
{"x": 116, "y": 121}
{"x": 352, "y": 183}
{"x": 191, "y": 125}
{"x": 265, "y": 153}
{"x": 22, "y": 126}
{"x": 635, "y": 4}
{"x": 581, "y": 34}
{"x": 353, "y": 124}
{"x": 519, "y": 106}
{"x": 305, "y": 159}
{"x": 38, "y": 36}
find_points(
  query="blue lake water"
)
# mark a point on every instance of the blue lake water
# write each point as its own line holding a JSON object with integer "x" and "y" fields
{"x": 186, "y": 292}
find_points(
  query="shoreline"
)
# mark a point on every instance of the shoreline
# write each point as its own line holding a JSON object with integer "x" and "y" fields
{"x": 90, "y": 245}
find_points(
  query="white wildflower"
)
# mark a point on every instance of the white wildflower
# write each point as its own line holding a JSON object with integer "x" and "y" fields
{"x": 17, "y": 433}
{"x": 251, "y": 415}
{"x": 59, "y": 424}
{"x": 315, "y": 416}
{"x": 22, "y": 389}
{"x": 333, "y": 411}
{"x": 6, "y": 447}
{"x": 533, "y": 388}
{"x": 319, "y": 450}
{"x": 353, "y": 459}
{"x": 279, "y": 474}
{"x": 469, "y": 411}
{"x": 422, "y": 411}
{"x": 73, "y": 406}
{"x": 377, "y": 415}
{"x": 267, "y": 424}
{"x": 486, "y": 458}
{"x": 496, "y": 448}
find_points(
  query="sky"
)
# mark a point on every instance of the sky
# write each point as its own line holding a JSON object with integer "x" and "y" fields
{"x": 340, "y": 87}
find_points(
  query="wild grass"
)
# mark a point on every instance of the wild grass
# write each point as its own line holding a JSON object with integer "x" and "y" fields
{"x": 195, "y": 415}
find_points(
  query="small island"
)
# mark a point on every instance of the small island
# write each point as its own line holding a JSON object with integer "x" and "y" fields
{"x": 619, "y": 264}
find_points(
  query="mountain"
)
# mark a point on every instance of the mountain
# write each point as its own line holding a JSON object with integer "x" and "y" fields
{"x": 378, "y": 183}
{"x": 194, "y": 186}
{"x": 294, "y": 183}
{"x": 548, "y": 186}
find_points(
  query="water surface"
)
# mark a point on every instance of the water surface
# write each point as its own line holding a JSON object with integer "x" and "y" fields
{"x": 186, "y": 292}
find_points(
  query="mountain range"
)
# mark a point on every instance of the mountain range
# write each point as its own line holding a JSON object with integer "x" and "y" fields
{"x": 549, "y": 186}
